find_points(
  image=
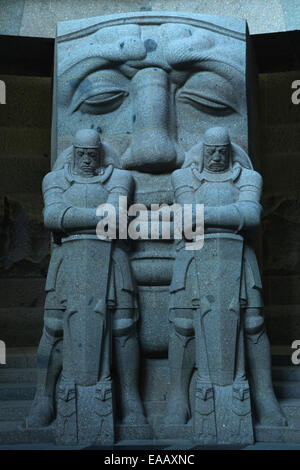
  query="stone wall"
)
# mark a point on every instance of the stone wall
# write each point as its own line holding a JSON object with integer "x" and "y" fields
{"x": 38, "y": 18}
{"x": 280, "y": 167}
{"x": 25, "y": 127}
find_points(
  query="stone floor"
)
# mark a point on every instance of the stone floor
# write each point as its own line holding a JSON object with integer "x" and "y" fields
{"x": 126, "y": 446}
{"x": 17, "y": 388}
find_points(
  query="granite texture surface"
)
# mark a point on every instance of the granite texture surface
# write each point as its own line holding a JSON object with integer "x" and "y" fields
{"x": 39, "y": 17}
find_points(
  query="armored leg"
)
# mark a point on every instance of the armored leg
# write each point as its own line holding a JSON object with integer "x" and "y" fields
{"x": 267, "y": 409}
{"x": 181, "y": 363}
{"x": 126, "y": 365}
{"x": 49, "y": 364}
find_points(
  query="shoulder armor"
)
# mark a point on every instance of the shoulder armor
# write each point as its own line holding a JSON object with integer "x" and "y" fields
{"x": 120, "y": 179}
{"x": 181, "y": 178}
{"x": 55, "y": 179}
{"x": 250, "y": 178}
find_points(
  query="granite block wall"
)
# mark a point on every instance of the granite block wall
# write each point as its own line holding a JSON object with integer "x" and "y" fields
{"x": 37, "y": 18}
{"x": 280, "y": 167}
{"x": 25, "y": 128}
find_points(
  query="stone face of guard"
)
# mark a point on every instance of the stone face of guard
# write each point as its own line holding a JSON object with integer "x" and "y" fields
{"x": 216, "y": 150}
{"x": 87, "y": 153}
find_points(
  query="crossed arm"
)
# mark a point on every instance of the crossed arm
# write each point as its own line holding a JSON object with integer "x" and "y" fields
{"x": 60, "y": 216}
{"x": 245, "y": 213}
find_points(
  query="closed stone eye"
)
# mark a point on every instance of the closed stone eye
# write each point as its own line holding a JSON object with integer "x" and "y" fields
{"x": 204, "y": 101}
{"x": 101, "y": 101}
{"x": 210, "y": 93}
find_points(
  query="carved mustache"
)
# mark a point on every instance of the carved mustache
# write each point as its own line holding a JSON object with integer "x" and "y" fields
{"x": 216, "y": 165}
{"x": 86, "y": 167}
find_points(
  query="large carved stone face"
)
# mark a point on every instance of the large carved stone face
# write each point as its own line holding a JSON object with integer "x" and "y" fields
{"x": 151, "y": 90}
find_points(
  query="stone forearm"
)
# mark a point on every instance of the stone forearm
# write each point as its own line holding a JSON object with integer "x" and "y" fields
{"x": 243, "y": 214}
{"x": 76, "y": 218}
{"x": 63, "y": 218}
{"x": 53, "y": 216}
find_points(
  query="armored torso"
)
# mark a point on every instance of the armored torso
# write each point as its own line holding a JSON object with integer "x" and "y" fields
{"x": 86, "y": 192}
{"x": 215, "y": 189}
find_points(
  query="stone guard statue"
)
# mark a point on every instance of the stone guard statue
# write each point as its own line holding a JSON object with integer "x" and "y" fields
{"x": 91, "y": 294}
{"x": 216, "y": 297}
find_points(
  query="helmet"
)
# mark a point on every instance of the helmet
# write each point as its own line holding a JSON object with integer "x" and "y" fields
{"x": 87, "y": 138}
{"x": 216, "y": 136}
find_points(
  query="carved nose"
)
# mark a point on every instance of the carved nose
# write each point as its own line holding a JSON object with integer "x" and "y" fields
{"x": 216, "y": 157}
{"x": 152, "y": 146}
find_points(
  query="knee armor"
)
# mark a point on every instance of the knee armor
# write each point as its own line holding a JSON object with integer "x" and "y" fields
{"x": 123, "y": 327}
{"x": 184, "y": 326}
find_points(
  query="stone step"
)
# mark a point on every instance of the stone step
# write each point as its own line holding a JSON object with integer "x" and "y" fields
{"x": 281, "y": 355}
{"x": 10, "y": 426}
{"x": 287, "y": 389}
{"x": 289, "y": 434}
{"x": 11, "y": 432}
{"x": 26, "y": 357}
{"x": 14, "y": 387}
{"x": 13, "y": 391}
{"x": 23, "y": 375}
{"x": 20, "y": 358}
{"x": 291, "y": 406}
{"x": 14, "y": 410}
{"x": 20, "y": 371}
{"x": 28, "y": 374}
{"x": 286, "y": 373}
{"x": 12, "y": 415}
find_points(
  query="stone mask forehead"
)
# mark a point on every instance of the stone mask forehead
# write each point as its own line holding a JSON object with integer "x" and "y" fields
{"x": 120, "y": 43}
{"x": 164, "y": 46}
{"x": 168, "y": 46}
{"x": 135, "y": 45}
